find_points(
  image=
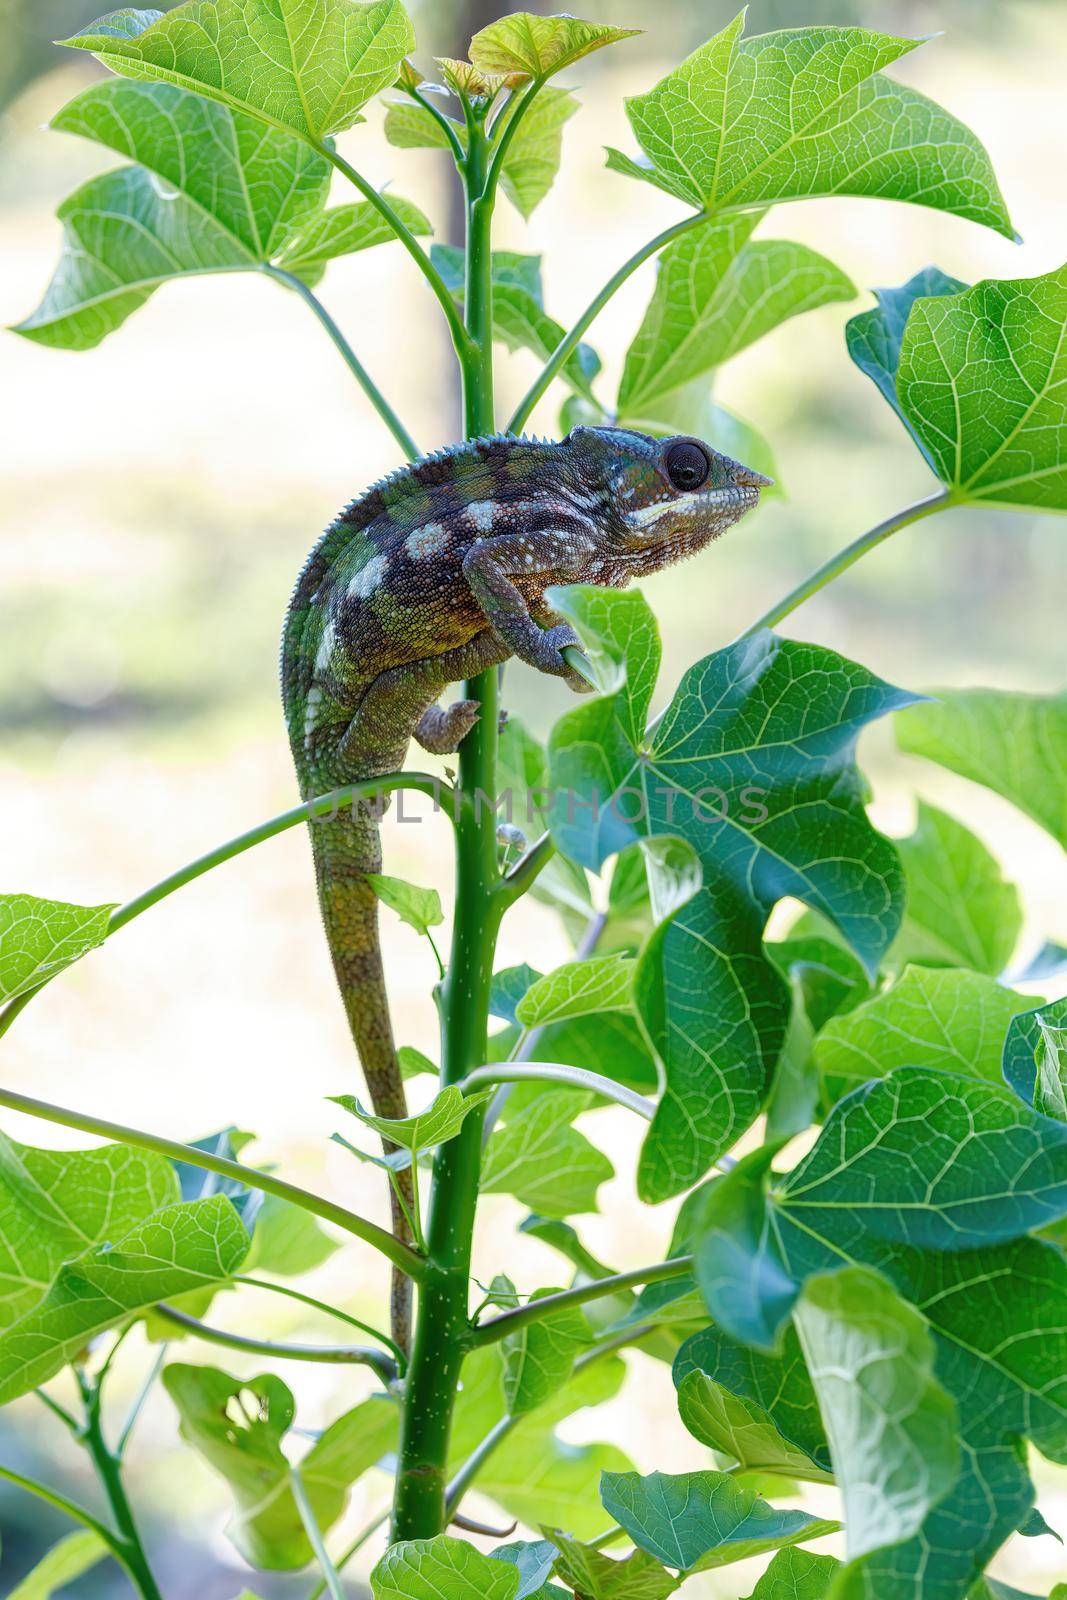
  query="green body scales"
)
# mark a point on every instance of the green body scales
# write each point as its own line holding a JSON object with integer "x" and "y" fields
{"x": 433, "y": 575}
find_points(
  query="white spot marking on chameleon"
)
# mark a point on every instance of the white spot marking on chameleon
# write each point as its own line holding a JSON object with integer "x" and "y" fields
{"x": 367, "y": 578}
{"x": 481, "y": 513}
{"x": 325, "y": 650}
{"x": 427, "y": 540}
{"x": 642, "y": 516}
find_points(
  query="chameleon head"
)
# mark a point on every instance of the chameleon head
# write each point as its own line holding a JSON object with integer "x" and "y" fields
{"x": 663, "y": 498}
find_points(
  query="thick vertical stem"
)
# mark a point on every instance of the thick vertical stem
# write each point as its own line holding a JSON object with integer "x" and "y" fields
{"x": 441, "y": 1329}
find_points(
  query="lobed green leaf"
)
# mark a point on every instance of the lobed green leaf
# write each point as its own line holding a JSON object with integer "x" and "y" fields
{"x": 540, "y": 46}
{"x": 38, "y": 938}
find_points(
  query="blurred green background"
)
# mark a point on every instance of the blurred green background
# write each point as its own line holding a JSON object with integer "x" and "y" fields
{"x": 158, "y": 497}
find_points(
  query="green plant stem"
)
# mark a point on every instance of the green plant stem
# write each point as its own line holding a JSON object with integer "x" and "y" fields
{"x": 108, "y": 1467}
{"x": 510, "y": 1321}
{"x": 139, "y": 1400}
{"x": 502, "y": 141}
{"x": 61, "y": 1502}
{"x": 398, "y": 1253}
{"x": 381, "y": 405}
{"x": 446, "y": 124}
{"x": 410, "y": 243}
{"x": 321, "y": 805}
{"x": 553, "y": 1072}
{"x": 441, "y": 1326}
{"x": 351, "y": 1355}
{"x": 314, "y": 1533}
{"x": 327, "y": 1310}
{"x": 848, "y": 557}
{"x": 592, "y": 311}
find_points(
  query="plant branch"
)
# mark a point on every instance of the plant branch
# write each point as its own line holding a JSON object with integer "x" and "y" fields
{"x": 320, "y": 805}
{"x": 328, "y": 1310}
{"x": 534, "y": 1310}
{"x": 553, "y": 1072}
{"x": 314, "y": 1533}
{"x": 400, "y": 1254}
{"x": 334, "y": 1355}
{"x": 348, "y": 355}
{"x": 592, "y": 311}
{"x": 130, "y": 1550}
{"x": 444, "y": 123}
{"x": 507, "y": 133}
{"x": 139, "y": 1399}
{"x": 62, "y": 1503}
{"x": 847, "y": 557}
{"x": 410, "y": 243}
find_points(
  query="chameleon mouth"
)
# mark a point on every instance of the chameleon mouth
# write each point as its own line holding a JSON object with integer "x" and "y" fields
{"x": 734, "y": 499}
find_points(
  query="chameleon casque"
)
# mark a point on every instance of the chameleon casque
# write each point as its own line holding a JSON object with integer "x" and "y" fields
{"x": 434, "y": 574}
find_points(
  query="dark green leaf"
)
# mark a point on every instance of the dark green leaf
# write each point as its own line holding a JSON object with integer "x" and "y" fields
{"x": 797, "y": 1575}
{"x": 1033, "y": 1056}
{"x": 508, "y": 988}
{"x": 534, "y": 1559}
{"x": 38, "y": 938}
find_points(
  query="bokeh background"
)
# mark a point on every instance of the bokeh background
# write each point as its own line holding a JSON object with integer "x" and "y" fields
{"x": 158, "y": 497}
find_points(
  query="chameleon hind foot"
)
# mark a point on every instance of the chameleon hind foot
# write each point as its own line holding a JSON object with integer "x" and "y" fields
{"x": 442, "y": 729}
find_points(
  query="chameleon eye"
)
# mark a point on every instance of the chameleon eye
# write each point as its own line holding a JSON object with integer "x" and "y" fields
{"x": 687, "y": 464}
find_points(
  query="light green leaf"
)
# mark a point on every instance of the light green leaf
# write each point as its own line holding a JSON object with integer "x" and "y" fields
{"x": 695, "y": 1521}
{"x": 797, "y": 1575}
{"x": 1014, "y": 744}
{"x": 892, "y": 1427}
{"x": 419, "y": 908}
{"x": 542, "y": 1160}
{"x": 54, "y": 1204}
{"x": 238, "y": 1426}
{"x": 66, "y": 1560}
{"x": 533, "y": 156}
{"x": 442, "y": 1568}
{"x": 287, "y": 1240}
{"x": 603, "y": 983}
{"x": 538, "y": 1357}
{"x": 806, "y": 112}
{"x": 945, "y": 1018}
{"x": 960, "y": 910}
{"x": 540, "y": 46}
{"x": 715, "y": 294}
{"x": 752, "y": 765}
{"x": 38, "y": 938}
{"x": 982, "y": 377}
{"x": 344, "y": 231}
{"x": 409, "y": 126}
{"x": 439, "y": 1122}
{"x": 414, "y": 1062}
{"x": 308, "y": 66}
{"x": 591, "y": 1573}
{"x": 182, "y": 1248}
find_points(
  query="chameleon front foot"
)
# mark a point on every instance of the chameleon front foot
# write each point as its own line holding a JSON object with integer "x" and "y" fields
{"x": 442, "y": 729}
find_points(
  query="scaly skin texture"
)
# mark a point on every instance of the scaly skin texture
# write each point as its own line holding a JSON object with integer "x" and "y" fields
{"x": 433, "y": 575}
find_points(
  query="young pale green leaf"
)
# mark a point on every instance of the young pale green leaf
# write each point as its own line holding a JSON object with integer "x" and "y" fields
{"x": 539, "y": 1357}
{"x": 696, "y": 1521}
{"x": 414, "y": 1062}
{"x": 442, "y": 1568}
{"x": 66, "y": 1560}
{"x": 943, "y": 1018}
{"x": 892, "y": 1427}
{"x": 238, "y": 1426}
{"x": 308, "y": 66}
{"x": 1033, "y": 1061}
{"x": 752, "y": 765}
{"x": 1000, "y": 1355}
{"x": 409, "y": 126}
{"x": 1013, "y": 743}
{"x": 981, "y": 379}
{"x": 345, "y": 231}
{"x": 806, "y": 112}
{"x": 602, "y": 983}
{"x": 542, "y": 1160}
{"x": 179, "y": 1249}
{"x": 797, "y": 1575}
{"x": 466, "y": 79}
{"x": 38, "y": 938}
{"x": 439, "y": 1122}
{"x": 960, "y": 910}
{"x": 591, "y": 1573}
{"x": 874, "y": 337}
{"x": 716, "y": 294}
{"x": 419, "y": 908}
{"x": 540, "y": 46}
{"x": 759, "y": 1408}
{"x": 54, "y": 1204}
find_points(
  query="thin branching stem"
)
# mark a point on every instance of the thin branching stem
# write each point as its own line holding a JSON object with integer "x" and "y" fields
{"x": 447, "y": 126}
{"x": 534, "y": 1310}
{"x": 314, "y": 1533}
{"x": 350, "y": 1355}
{"x": 327, "y": 1310}
{"x": 556, "y": 1072}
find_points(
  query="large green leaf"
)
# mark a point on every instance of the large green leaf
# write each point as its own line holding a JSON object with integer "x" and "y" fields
{"x": 695, "y": 1521}
{"x": 982, "y": 379}
{"x": 715, "y": 294}
{"x": 806, "y": 112}
{"x": 66, "y": 1560}
{"x": 442, "y": 1568}
{"x": 38, "y": 938}
{"x": 308, "y": 66}
{"x": 238, "y": 1426}
{"x": 796, "y": 1575}
{"x": 892, "y": 1427}
{"x": 175, "y": 1251}
{"x": 540, "y": 46}
{"x": 931, "y": 1017}
{"x": 753, "y": 766}
{"x": 996, "y": 1310}
{"x": 542, "y": 1160}
{"x": 960, "y": 911}
{"x": 1015, "y": 744}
